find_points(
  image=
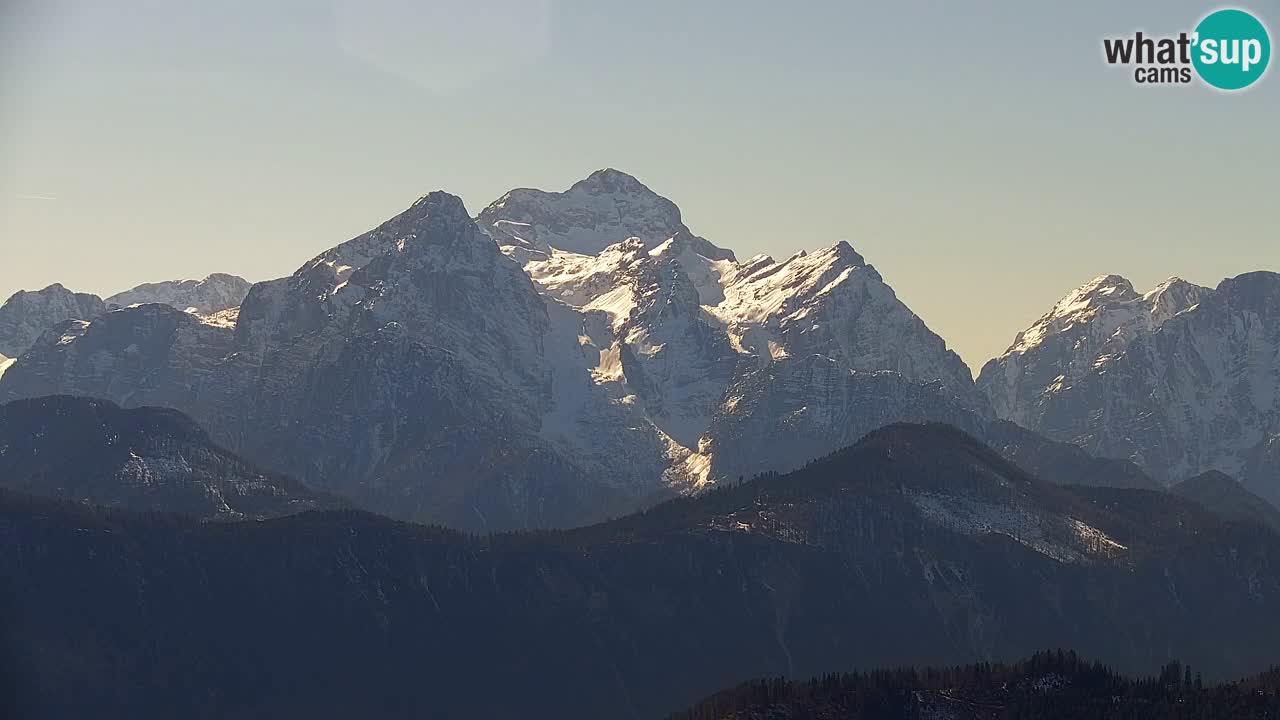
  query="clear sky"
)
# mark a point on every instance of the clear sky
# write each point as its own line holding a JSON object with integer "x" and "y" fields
{"x": 981, "y": 155}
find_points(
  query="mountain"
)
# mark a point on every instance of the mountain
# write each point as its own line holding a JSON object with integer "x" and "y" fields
{"x": 565, "y": 358}
{"x": 696, "y": 337}
{"x": 1092, "y": 324}
{"x": 215, "y": 293}
{"x": 27, "y": 314}
{"x": 1180, "y": 380}
{"x": 403, "y": 368}
{"x": 918, "y": 545}
{"x": 605, "y": 208}
{"x": 830, "y": 302}
{"x": 93, "y": 451}
{"x": 1226, "y": 498}
{"x": 1047, "y": 686}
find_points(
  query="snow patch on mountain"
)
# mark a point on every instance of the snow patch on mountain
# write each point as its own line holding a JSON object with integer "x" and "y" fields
{"x": 1065, "y": 539}
{"x": 594, "y": 415}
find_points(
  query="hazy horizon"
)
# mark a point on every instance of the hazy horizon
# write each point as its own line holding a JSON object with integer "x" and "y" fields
{"x": 985, "y": 168}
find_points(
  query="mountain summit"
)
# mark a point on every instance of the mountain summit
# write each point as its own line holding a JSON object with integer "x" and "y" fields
{"x": 1180, "y": 380}
{"x": 607, "y": 207}
{"x": 1092, "y": 323}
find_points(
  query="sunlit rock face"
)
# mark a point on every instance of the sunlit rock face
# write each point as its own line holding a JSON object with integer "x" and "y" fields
{"x": 1180, "y": 380}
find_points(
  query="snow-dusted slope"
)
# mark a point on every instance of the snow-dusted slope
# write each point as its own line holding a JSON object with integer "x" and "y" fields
{"x": 834, "y": 304}
{"x": 1093, "y": 323}
{"x": 607, "y": 207}
{"x": 1181, "y": 380}
{"x": 215, "y": 293}
{"x": 830, "y": 302}
{"x": 672, "y": 322}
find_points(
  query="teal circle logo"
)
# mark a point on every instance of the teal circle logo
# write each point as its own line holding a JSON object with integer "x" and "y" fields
{"x": 1231, "y": 49}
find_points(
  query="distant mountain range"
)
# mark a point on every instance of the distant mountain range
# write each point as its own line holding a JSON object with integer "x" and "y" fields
{"x": 26, "y": 315}
{"x": 569, "y": 356}
{"x": 918, "y": 545}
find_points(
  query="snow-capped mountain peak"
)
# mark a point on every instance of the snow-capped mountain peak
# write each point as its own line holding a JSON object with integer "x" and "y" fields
{"x": 830, "y": 302}
{"x": 1078, "y": 306}
{"x": 1109, "y": 307}
{"x": 1087, "y": 328}
{"x": 1180, "y": 379}
{"x": 215, "y": 293}
{"x": 605, "y": 208}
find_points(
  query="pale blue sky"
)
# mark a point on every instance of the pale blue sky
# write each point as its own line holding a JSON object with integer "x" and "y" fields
{"x": 981, "y": 155}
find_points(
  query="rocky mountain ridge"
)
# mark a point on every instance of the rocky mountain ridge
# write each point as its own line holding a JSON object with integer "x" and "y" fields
{"x": 1180, "y": 380}
{"x": 27, "y": 314}
{"x": 569, "y": 356}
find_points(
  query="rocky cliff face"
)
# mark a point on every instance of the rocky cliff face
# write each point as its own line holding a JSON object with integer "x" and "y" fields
{"x": 688, "y": 330}
{"x": 27, "y": 314}
{"x": 1181, "y": 380}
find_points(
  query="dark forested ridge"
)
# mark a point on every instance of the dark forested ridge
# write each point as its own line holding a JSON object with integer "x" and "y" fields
{"x": 1223, "y": 496}
{"x": 1047, "y": 686}
{"x": 918, "y": 545}
{"x": 148, "y": 458}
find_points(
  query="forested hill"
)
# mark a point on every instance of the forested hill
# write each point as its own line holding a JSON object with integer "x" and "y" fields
{"x": 917, "y": 545}
{"x": 1048, "y": 686}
